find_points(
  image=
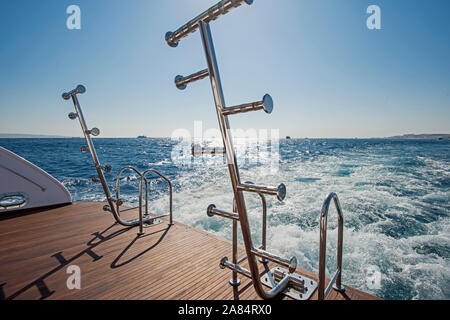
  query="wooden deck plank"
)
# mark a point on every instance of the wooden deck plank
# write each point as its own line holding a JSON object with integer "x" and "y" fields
{"x": 179, "y": 262}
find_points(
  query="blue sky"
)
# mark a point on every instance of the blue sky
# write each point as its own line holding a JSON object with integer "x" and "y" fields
{"x": 328, "y": 74}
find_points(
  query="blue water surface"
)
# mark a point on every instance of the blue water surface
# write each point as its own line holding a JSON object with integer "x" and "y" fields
{"x": 395, "y": 196}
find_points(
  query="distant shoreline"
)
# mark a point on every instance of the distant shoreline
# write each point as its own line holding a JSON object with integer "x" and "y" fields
{"x": 422, "y": 136}
{"x": 403, "y": 137}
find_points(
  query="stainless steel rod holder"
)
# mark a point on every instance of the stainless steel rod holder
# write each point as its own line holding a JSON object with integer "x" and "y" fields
{"x": 213, "y": 211}
{"x": 217, "y": 10}
{"x": 80, "y": 89}
{"x": 265, "y": 104}
{"x": 202, "y": 23}
{"x": 182, "y": 82}
{"x": 233, "y": 168}
{"x": 198, "y": 151}
{"x": 113, "y": 204}
{"x": 279, "y": 192}
{"x": 337, "y": 279}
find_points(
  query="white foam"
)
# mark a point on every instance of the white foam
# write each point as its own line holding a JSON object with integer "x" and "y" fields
{"x": 377, "y": 200}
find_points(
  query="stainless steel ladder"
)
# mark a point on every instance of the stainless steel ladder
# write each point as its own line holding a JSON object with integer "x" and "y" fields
{"x": 279, "y": 280}
{"x": 114, "y": 204}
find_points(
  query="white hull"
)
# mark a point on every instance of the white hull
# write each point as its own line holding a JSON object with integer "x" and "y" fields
{"x": 24, "y": 186}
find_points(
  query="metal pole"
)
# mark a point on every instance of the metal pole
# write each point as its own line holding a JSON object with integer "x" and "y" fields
{"x": 235, "y": 282}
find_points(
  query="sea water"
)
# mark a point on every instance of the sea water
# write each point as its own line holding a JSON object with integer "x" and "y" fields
{"x": 394, "y": 194}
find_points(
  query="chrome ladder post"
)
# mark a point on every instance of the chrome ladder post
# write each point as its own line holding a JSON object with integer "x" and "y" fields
{"x": 235, "y": 281}
{"x": 337, "y": 278}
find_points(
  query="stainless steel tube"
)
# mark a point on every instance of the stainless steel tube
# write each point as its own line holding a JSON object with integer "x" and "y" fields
{"x": 118, "y": 204}
{"x": 169, "y": 183}
{"x": 332, "y": 282}
{"x": 289, "y": 263}
{"x": 213, "y": 211}
{"x": 92, "y": 151}
{"x": 87, "y": 135}
{"x": 224, "y": 263}
{"x": 265, "y": 104}
{"x": 198, "y": 151}
{"x": 80, "y": 89}
{"x": 182, "y": 82}
{"x": 217, "y": 10}
{"x": 235, "y": 281}
{"x": 279, "y": 192}
{"x": 323, "y": 247}
{"x": 264, "y": 223}
{"x": 264, "y": 219}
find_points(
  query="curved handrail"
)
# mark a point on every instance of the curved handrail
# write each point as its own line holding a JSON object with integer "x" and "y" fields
{"x": 118, "y": 202}
{"x": 337, "y": 278}
{"x": 170, "y": 191}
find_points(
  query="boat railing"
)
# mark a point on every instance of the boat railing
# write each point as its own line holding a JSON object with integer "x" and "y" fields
{"x": 337, "y": 277}
{"x": 114, "y": 204}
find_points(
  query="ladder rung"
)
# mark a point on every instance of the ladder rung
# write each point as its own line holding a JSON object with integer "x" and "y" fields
{"x": 224, "y": 263}
{"x": 279, "y": 192}
{"x": 213, "y": 211}
{"x": 207, "y": 16}
{"x": 182, "y": 82}
{"x": 289, "y": 263}
{"x": 265, "y": 104}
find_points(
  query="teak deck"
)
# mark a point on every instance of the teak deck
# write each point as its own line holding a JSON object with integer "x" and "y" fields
{"x": 177, "y": 262}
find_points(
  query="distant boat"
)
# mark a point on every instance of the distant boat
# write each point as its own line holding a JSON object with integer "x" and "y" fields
{"x": 142, "y": 137}
{"x": 288, "y": 138}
